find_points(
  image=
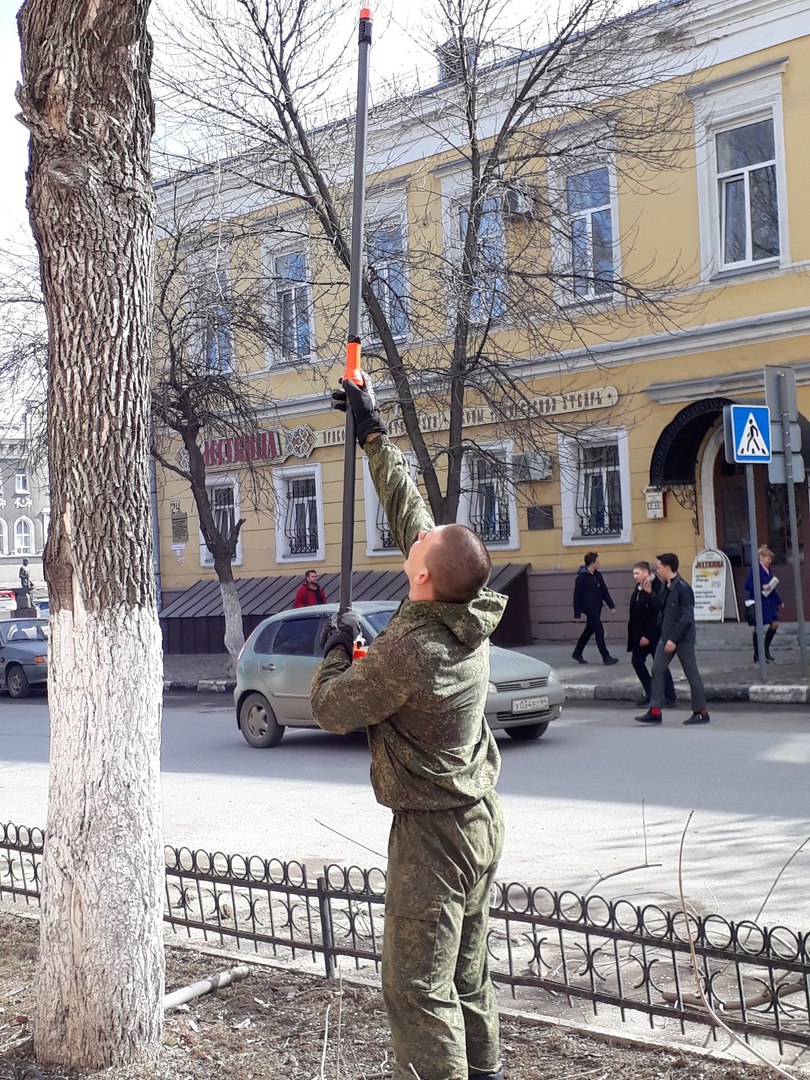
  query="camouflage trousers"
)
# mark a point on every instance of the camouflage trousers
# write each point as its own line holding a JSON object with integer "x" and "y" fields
{"x": 436, "y": 986}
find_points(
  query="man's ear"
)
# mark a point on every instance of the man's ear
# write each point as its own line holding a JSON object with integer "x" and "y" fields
{"x": 422, "y": 576}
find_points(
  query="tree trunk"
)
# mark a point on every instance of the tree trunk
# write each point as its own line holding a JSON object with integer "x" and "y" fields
{"x": 85, "y": 99}
{"x": 234, "y": 627}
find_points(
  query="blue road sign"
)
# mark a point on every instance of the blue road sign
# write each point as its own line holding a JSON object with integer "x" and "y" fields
{"x": 751, "y": 434}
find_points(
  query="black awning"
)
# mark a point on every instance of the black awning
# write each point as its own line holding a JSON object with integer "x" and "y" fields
{"x": 262, "y": 596}
{"x": 675, "y": 455}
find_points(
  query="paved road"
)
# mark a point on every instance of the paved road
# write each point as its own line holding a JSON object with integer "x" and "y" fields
{"x": 596, "y": 796}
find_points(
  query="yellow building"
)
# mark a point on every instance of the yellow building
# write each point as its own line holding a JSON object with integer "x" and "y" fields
{"x": 615, "y": 441}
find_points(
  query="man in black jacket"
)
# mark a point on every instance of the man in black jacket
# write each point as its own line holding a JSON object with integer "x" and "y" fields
{"x": 590, "y": 592}
{"x": 644, "y": 629}
{"x": 677, "y": 635}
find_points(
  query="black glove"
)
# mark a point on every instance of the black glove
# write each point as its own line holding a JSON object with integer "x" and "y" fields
{"x": 364, "y": 406}
{"x": 342, "y": 630}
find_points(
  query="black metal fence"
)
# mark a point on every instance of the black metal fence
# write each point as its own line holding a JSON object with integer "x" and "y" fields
{"x": 609, "y": 953}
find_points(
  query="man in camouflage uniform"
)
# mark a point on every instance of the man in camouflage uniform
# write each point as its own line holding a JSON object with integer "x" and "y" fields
{"x": 421, "y": 693}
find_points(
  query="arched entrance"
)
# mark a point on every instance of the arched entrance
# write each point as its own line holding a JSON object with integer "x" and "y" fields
{"x": 691, "y": 447}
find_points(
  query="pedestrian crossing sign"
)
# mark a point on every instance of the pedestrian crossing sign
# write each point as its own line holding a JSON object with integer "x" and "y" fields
{"x": 751, "y": 434}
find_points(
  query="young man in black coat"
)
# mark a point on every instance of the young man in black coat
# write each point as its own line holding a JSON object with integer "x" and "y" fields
{"x": 677, "y": 637}
{"x": 590, "y": 593}
{"x": 644, "y": 629}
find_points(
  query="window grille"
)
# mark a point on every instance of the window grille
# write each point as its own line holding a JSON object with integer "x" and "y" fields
{"x": 489, "y": 500}
{"x": 588, "y": 197}
{"x": 301, "y": 518}
{"x": 599, "y": 490}
{"x": 746, "y": 177}
{"x": 387, "y": 541}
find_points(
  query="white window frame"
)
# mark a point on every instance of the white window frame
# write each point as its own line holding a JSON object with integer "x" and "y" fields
{"x": 46, "y": 525}
{"x": 3, "y": 537}
{"x": 275, "y": 356}
{"x": 571, "y": 163}
{"x": 374, "y": 548}
{"x": 723, "y": 105}
{"x": 204, "y": 267}
{"x": 280, "y": 478}
{"x": 569, "y": 485}
{"x": 505, "y": 449}
{"x": 22, "y": 484}
{"x": 397, "y": 221}
{"x": 23, "y": 520}
{"x": 223, "y": 480}
{"x": 455, "y": 198}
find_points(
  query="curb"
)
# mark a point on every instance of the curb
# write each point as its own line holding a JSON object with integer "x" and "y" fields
{"x": 763, "y": 693}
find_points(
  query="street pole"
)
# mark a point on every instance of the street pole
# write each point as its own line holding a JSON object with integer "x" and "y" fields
{"x": 794, "y": 527}
{"x": 752, "y": 530}
{"x": 353, "y": 370}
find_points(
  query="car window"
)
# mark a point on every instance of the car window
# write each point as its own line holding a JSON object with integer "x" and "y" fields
{"x": 296, "y": 637}
{"x": 264, "y": 640}
{"x": 378, "y": 620}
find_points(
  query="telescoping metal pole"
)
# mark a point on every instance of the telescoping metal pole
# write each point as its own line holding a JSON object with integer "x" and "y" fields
{"x": 353, "y": 347}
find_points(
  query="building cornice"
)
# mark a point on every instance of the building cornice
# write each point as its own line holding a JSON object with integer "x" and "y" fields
{"x": 720, "y": 385}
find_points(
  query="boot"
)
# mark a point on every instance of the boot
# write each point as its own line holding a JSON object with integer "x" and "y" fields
{"x": 768, "y": 639}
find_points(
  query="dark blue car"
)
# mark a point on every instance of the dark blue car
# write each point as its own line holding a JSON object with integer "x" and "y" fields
{"x": 23, "y": 655}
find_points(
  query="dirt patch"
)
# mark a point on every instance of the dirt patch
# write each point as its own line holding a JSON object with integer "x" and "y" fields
{"x": 275, "y": 1024}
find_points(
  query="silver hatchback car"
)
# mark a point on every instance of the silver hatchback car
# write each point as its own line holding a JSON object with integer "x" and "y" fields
{"x": 275, "y": 669}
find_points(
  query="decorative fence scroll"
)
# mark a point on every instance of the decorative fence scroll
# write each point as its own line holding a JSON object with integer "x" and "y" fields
{"x": 610, "y": 953}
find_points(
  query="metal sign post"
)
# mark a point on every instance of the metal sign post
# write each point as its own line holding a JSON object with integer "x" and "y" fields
{"x": 752, "y": 529}
{"x": 353, "y": 348}
{"x": 780, "y": 391}
{"x": 747, "y": 430}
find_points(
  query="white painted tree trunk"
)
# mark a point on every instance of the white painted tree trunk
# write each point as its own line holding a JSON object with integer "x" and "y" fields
{"x": 85, "y": 98}
{"x": 234, "y": 632}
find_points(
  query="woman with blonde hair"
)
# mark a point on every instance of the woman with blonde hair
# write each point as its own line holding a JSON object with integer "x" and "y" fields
{"x": 771, "y": 601}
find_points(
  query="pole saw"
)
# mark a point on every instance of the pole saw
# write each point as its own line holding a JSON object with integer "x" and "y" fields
{"x": 353, "y": 370}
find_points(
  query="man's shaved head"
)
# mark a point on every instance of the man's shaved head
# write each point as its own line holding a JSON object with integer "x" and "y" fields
{"x": 459, "y": 564}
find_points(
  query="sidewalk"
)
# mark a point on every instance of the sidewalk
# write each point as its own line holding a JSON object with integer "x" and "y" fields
{"x": 724, "y": 656}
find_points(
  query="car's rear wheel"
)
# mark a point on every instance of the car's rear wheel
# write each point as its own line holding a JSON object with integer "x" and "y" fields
{"x": 17, "y": 682}
{"x": 527, "y": 732}
{"x": 258, "y": 722}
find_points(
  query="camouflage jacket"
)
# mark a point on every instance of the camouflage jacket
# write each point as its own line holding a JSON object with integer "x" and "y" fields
{"x": 421, "y": 690}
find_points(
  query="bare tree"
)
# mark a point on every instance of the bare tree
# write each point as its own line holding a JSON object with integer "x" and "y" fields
{"x": 202, "y": 389}
{"x": 85, "y": 99}
{"x": 500, "y": 281}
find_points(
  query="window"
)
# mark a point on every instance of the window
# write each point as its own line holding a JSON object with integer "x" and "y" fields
{"x": 489, "y": 498}
{"x": 386, "y": 259}
{"x": 3, "y": 538}
{"x": 293, "y": 306}
{"x": 212, "y": 330}
{"x": 742, "y": 187}
{"x": 590, "y": 233}
{"x": 595, "y": 487}
{"x": 488, "y": 297}
{"x": 296, "y": 637}
{"x": 299, "y": 514}
{"x": 223, "y": 495}
{"x": 379, "y": 538}
{"x": 747, "y": 196}
{"x": 23, "y": 537}
{"x": 21, "y": 483}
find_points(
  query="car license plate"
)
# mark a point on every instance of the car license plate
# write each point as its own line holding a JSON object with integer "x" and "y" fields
{"x": 530, "y": 704}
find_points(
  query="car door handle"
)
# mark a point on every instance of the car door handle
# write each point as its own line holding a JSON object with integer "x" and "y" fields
{"x": 267, "y": 667}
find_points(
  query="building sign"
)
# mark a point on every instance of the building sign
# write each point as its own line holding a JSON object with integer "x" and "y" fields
{"x": 179, "y": 528}
{"x": 654, "y": 497}
{"x": 711, "y": 577}
{"x": 276, "y": 445}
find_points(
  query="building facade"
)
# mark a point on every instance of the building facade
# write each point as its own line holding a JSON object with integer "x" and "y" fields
{"x": 24, "y": 512}
{"x": 615, "y": 442}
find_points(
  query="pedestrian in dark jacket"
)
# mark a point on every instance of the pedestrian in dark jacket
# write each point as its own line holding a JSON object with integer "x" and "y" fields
{"x": 644, "y": 629}
{"x": 421, "y": 693}
{"x": 771, "y": 601}
{"x": 309, "y": 592}
{"x": 590, "y": 593}
{"x": 677, "y": 636}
